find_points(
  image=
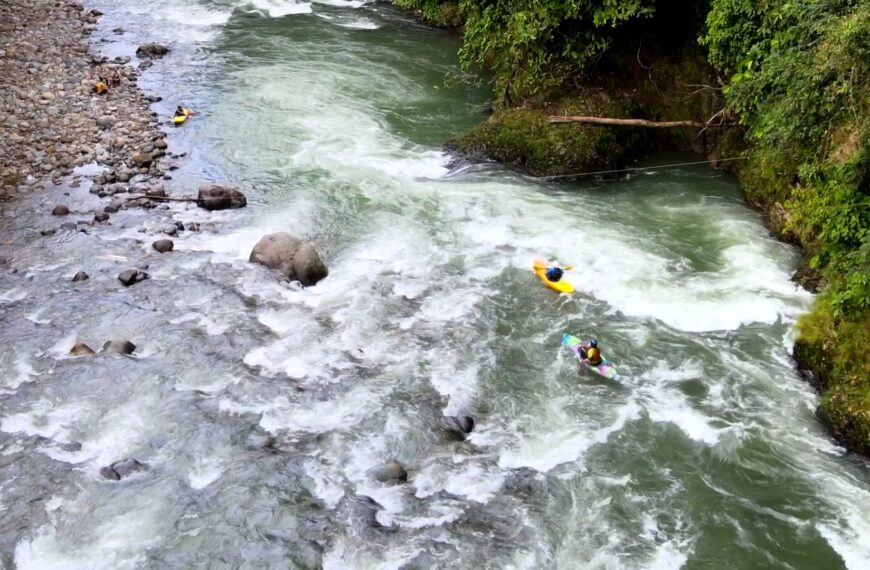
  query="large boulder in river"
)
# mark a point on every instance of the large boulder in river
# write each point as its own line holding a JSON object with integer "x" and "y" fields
{"x": 152, "y": 50}
{"x": 389, "y": 472}
{"x": 220, "y": 198}
{"x": 296, "y": 259}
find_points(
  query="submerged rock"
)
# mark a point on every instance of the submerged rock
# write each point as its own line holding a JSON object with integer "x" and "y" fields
{"x": 120, "y": 469}
{"x": 60, "y": 210}
{"x": 458, "y": 425}
{"x": 81, "y": 349}
{"x": 101, "y": 217}
{"x": 296, "y": 259}
{"x": 119, "y": 346}
{"x": 389, "y": 472}
{"x": 130, "y": 276}
{"x": 80, "y": 276}
{"x": 220, "y": 198}
{"x": 163, "y": 245}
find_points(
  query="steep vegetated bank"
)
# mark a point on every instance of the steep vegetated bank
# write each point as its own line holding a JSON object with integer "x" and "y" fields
{"x": 783, "y": 83}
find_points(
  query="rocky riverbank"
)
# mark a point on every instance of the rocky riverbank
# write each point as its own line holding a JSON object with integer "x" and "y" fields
{"x": 52, "y": 120}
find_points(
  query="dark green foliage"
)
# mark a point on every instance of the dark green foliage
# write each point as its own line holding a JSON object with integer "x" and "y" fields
{"x": 532, "y": 45}
{"x": 525, "y": 139}
{"x": 443, "y": 13}
{"x": 799, "y": 81}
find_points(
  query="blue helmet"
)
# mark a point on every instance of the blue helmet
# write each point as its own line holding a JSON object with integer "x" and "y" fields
{"x": 593, "y": 343}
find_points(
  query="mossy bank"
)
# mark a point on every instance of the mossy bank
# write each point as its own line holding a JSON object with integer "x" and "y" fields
{"x": 783, "y": 86}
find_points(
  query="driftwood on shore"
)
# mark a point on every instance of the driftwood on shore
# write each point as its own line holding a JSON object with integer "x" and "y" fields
{"x": 626, "y": 122}
{"x": 160, "y": 198}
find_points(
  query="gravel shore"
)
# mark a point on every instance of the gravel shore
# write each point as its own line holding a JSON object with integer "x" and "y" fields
{"x": 51, "y": 118}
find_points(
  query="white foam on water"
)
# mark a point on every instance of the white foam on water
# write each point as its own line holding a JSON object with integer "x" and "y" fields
{"x": 340, "y": 413}
{"x": 37, "y": 318}
{"x": 60, "y": 349}
{"x": 12, "y": 295}
{"x": 359, "y": 24}
{"x": 211, "y": 326}
{"x": 186, "y": 21}
{"x": 24, "y": 374}
{"x": 45, "y": 419}
{"x": 458, "y": 384}
{"x": 665, "y": 404}
{"x": 343, "y": 3}
{"x": 472, "y": 481}
{"x": 120, "y": 542}
{"x": 280, "y": 8}
{"x": 438, "y": 515}
{"x": 345, "y": 554}
{"x": 564, "y": 442}
{"x": 326, "y": 488}
{"x": 115, "y": 433}
{"x": 204, "y": 471}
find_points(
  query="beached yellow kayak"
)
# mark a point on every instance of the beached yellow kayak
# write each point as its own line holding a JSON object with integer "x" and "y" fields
{"x": 562, "y": 286}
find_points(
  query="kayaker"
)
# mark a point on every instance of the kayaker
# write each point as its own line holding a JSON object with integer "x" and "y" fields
{"x": 181, "y": 111}
{"x": 554, "y": 274}
{"x": 592, "y": 354}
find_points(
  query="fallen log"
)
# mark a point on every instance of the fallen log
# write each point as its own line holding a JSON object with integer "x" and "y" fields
{"x": 626, "y": 122}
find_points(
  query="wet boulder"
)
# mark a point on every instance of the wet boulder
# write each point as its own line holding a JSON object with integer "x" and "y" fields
{"x": 163, "y": 245}
{"x": 81, "y": 349}
{"x": 220, "y": 198}
{"x": 60, "y": 210}
{"x": 152, "y": 50}
{"x": 80, "y": 276}
{"x": 101, "y": 217}
{"x": 120, "y": 469}
{"x": 296, "y": 259}
{"x": 458, "y": 425}
{"x": 119, "y": 346}
{"x": 130, "y": 276}
{"x": 389, "y": 472}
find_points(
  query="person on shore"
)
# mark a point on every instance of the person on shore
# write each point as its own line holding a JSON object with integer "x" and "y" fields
{"x": 102, "y": 86}
{"x": 116, "y": 78}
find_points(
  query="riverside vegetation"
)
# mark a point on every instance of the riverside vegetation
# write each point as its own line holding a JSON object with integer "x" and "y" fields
{"x": 783, "y": 83}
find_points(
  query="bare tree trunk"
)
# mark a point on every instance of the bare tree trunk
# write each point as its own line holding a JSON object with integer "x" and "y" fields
{"x": 626, "y": 122}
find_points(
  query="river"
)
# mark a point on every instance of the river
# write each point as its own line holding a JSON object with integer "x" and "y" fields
{"x": 330, "y": 116}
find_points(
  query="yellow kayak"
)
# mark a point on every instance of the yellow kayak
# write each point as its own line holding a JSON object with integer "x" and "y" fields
{"x": 562, "y": 286}
{"x": 182, "y": 118}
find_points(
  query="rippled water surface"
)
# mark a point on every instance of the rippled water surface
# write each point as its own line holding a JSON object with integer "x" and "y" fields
{"x": 259, "y": 406}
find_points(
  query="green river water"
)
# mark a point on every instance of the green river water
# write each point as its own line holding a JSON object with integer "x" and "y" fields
{"x": 330, "y": 116}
